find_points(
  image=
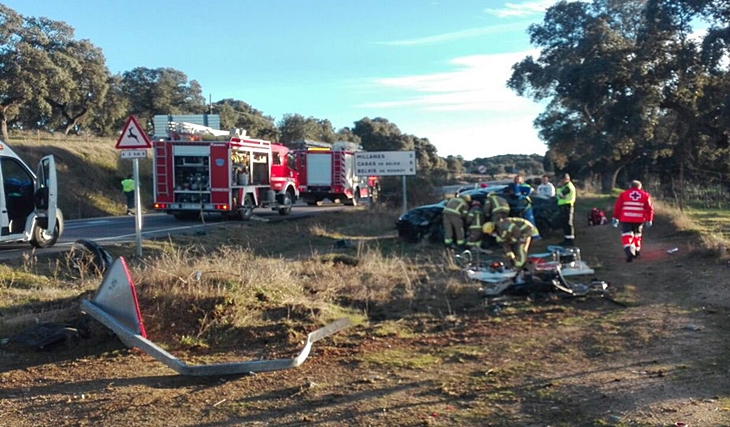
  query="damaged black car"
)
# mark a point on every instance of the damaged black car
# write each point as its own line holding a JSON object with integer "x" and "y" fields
{"x": 425, "y": 222}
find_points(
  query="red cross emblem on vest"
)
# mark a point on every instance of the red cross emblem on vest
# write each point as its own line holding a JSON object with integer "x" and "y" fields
{"x": 635, "y": 196}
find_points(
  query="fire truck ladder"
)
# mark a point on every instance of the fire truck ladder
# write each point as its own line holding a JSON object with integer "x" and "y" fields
{"x": 339, "y": 170}
{"x": 161, "y": 168}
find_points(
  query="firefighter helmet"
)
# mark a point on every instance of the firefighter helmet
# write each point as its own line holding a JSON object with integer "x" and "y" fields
{"x": 466, "y": 197}
{"x": 475, "y": 203}
{"x": 488, "y": 227}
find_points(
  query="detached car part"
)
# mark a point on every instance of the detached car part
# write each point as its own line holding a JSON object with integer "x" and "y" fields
{"x": 115, "y": 305}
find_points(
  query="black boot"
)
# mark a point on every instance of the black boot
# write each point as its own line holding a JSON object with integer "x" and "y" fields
{"x": 629, "y": 254}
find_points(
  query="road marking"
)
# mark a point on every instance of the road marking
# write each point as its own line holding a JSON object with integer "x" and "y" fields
{"x": 68, "y": 226}
{"x": 126, "y": 236}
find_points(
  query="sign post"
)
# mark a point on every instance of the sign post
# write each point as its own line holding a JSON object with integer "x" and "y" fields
{"x": 387, "y": 163}
{"x": 133, "y": 144}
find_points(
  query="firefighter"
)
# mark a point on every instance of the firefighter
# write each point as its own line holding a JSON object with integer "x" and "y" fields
{"x": 495, "y": 207}
{"x": 474, "y": 223}
{"x": 454, "y": 215}
{"x": 633, "y": 209}
{"x": 515, "y": 235}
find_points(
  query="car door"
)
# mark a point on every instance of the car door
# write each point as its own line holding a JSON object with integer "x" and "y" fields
{"x": 46, "y": 190}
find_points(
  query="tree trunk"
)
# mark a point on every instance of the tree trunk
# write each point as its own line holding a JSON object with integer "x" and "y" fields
{"x": 4, "y": 126}
{"x": 608, "y": 179}
{"x": 69, "y": 128}
{"x": 681, "y": 186}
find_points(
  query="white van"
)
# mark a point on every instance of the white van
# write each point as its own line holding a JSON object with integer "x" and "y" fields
{"x": 28, "y": 201}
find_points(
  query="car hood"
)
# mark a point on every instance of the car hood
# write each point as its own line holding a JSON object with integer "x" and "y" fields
{"x": 425, "y": 211}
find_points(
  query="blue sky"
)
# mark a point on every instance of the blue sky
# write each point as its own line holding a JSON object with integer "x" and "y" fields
{"x": 437, "y": 69}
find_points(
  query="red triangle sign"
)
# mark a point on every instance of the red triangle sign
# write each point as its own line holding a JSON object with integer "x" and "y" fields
{"x": 133, "y": 137}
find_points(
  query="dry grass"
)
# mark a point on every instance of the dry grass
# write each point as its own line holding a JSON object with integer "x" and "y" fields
{"x": 708, "y": 227}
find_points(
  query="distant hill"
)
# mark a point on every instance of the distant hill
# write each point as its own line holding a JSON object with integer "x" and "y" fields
{"x": 507, "y": 164}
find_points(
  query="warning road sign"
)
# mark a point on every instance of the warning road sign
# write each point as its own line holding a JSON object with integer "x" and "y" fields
{"x": 133, "y": 137}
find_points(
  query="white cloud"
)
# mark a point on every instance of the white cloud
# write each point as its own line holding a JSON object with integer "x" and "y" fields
{"x": 528, "y": 8}
{"x": 478, "y": 85}
{"x": 460, "y": 35}
{"x": 499, "y": 121}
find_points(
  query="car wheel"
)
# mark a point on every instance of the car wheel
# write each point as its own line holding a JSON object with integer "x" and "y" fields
{"x": 41, "y": 238}
{"x": 543, "y": 227}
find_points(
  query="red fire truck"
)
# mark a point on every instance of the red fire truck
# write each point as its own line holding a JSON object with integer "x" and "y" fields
{"x": 327, "y": 171}
{"x": 232, "y": 177}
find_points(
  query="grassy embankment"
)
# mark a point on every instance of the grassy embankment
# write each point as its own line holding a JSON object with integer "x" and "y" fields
{"x": 89, "y": 172}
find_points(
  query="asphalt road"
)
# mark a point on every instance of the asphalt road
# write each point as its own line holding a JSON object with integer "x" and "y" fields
{"x": 121, "y": 229}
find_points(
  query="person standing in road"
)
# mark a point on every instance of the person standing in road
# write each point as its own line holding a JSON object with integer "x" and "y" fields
{"x": 566, "y": 203}
{"x": 633, "y": 210}
{"x": 128, "y": 190}
{"x": 546, "y": 188}
{"x": 453, "y": 219}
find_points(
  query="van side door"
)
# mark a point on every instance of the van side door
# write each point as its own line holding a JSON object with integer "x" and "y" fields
{"x": 46, "y": 192}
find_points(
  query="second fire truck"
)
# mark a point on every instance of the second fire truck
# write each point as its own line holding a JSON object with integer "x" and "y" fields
{"x": 193, "y": 176}
{"x": 327, "y": 172}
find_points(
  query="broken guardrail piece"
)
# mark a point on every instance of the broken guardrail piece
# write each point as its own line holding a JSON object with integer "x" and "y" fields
{"x": 115, "y": 305}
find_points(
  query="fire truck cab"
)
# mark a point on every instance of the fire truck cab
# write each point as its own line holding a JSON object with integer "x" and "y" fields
{"x": 231, "y": 177}
{"x": 28, "y": 201}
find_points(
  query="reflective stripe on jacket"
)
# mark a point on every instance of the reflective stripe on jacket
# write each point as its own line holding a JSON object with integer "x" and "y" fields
{"x": 475, "y": 218}
{"x": 512, "y": 229}
{"x": 495, "y": 204}
{"x": 634, "y": 205}
{"x": 456, "y": 206}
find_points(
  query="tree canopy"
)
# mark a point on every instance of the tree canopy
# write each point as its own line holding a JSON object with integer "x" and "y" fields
{"x": 628, "y": 86}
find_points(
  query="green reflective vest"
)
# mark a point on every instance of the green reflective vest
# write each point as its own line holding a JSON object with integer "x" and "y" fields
{"x": 566, "y": 194}
{"x": 127, "y": 185}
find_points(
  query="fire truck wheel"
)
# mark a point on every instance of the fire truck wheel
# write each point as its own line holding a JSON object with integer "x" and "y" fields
{"x": 285, "y": 208}
{"x": 355, "y": 200}
{"x": 247, "y": 208}
{"x": 374, "y": 194}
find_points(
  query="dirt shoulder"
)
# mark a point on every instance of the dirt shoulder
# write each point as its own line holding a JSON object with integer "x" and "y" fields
{"x": 445, "y": 359}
